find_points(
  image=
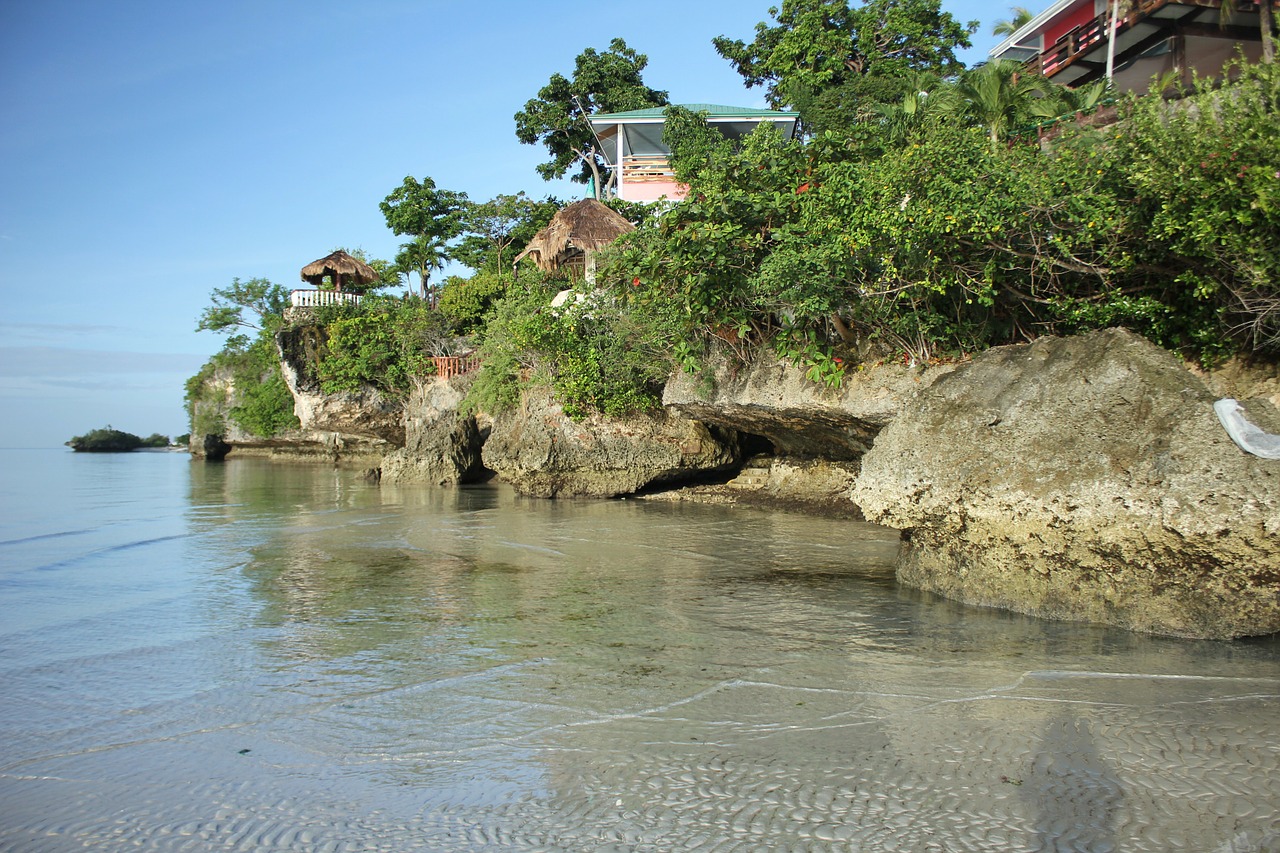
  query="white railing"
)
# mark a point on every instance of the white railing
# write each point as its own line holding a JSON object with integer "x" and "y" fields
{"x": 318, "y": 298}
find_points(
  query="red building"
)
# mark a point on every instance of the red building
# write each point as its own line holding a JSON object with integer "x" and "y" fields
{"x": 1069, "y": 43}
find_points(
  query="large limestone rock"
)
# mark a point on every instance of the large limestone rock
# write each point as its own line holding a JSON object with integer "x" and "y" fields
{"x": 1087, "y": 479}
{"x": 365, "y": 414}
{"x": 801, "y": 418}
{"x": 216, "y": 435}
{"x": 442, "y": 447}
{"x": 542, "y": 452}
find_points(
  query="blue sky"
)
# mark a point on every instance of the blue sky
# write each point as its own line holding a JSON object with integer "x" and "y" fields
{"x": 152, "y": 151}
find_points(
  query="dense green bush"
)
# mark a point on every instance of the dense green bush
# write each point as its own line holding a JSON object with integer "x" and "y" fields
{"x": 382, "y": 343}
{"x": 260, "y": 404}
{"x": 265, "y": 405}
{"x": 467, "y": 302}
{"x": 594, "y": 356}
{"x": 1203, "y": 177}
{"x": 922, "y": 238}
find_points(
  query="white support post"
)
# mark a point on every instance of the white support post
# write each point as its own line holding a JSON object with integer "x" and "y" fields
{"x": 1111, "y": 39}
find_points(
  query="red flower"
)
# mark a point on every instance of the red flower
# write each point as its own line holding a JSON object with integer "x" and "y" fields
{"x": 635, "y": 282}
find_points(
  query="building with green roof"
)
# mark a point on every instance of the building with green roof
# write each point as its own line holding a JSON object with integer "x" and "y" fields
{"x": 632, "y": 144}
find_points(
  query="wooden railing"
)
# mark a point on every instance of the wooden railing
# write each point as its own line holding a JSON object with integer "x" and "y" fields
{"x": 448, "y": 366}
{"x": 1080, "y": 40}
{"x": 319, "y": 298}
{"x": 638, "y": 168}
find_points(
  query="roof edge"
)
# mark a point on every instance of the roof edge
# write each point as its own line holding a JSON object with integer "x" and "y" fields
{"x": 1031, "y": 27}
{"x": 713, "y": 111}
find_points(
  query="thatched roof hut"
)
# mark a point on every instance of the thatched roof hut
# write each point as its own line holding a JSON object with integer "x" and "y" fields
{"x": 574, "y": 235}
{"x": 339, "y": 266}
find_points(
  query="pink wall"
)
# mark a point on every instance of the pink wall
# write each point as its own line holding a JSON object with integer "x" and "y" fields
{"x": 652, "y": 191}
{"x": 1080, "y": 13}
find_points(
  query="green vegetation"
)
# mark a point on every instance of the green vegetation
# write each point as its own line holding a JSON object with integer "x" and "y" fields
{"x": 608, "y": 82}
{"x": 829, "y": 60}
{"x": 936, "y": 232}
{"x": 431, "y": 217}
{"x": 383, "y": 343}
{"x": 247, "y": 368}
{"x": 110, "y": 440}
{"x": 595, "y": 356}
{"x": 922, "y": 216}
{"x": 1021, "y": 17}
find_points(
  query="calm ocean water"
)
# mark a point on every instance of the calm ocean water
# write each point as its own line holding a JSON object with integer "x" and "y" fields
{"x": 259, "y": 657}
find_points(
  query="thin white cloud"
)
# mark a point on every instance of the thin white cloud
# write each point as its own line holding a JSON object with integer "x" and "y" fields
{"x": 38, "y": 331}
{"x": 46, "y": 362}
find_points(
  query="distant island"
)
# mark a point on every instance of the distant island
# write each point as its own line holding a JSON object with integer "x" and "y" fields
{"x": 109, "y": 440}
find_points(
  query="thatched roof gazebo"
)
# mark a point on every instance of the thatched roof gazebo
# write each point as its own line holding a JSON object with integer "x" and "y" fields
{"x": 574, "y": 235}
{"x": 339, "y": 266}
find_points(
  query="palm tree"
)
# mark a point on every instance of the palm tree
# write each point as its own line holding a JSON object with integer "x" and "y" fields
{"x": 926, "y": 96}
{"x": 997, "y": 96}
{"x": 1021, "y": 17}
{"x": 1056, "y": 101}
{"x": 422, "y": 254}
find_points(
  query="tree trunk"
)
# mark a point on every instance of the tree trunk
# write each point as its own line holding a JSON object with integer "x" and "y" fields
{"x": 842, "y": 329}
{"x": 1266, "y": 23}
{"x": 589, "y": 156}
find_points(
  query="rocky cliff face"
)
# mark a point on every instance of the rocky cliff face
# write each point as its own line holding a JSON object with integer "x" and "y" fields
{"x": 442, "y": 446}
{"x": 800, "y": 418}
{"x": 542, "y": 452}
{"x": 215, "y": 434}
{"x": 1082, "y": 478}
{"x": 365, "y": 415}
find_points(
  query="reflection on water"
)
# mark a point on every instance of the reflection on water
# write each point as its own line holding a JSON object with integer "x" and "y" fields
{"x": 302, "y": 660}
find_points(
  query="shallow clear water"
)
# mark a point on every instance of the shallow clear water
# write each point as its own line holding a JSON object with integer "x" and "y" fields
{"x": 258, "y": 657}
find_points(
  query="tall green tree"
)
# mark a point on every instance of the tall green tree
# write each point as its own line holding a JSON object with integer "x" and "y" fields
{"x": 822, "y": 51}
{"x": 254, "y": 304}
{"x": 497, "y": 229}
{"x": 558, "y": 117}
{"x": 432, "y": 217}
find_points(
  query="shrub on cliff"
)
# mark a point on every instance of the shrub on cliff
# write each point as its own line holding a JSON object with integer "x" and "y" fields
{"x": 921, "y": 238}
{"x": 594, "y": 357}
{"x": 468, "y": 302}
{"x": 383, "y": 343}
{"x": 242, "y": 382}
{"x": 1203, "y": 178}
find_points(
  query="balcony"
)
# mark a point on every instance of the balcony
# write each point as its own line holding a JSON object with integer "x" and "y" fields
{"x": 647, "y": 168}
{"x": 302, "y": 303}
{"x": 321, "y": 298}
{"x": 1080, "y": 56}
